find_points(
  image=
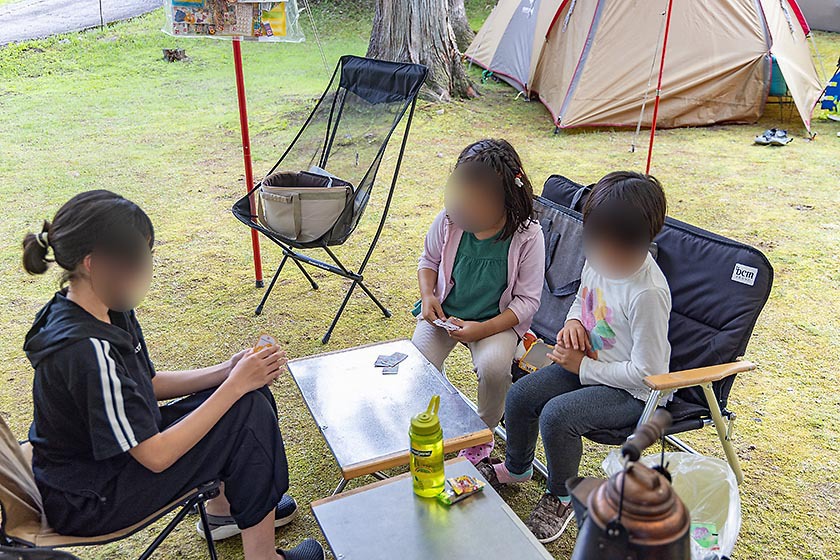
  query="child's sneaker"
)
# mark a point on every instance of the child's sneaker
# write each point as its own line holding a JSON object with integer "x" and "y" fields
{"x": 496, "y": 474}
{"x": 550, "y": 518}
{"x": 309, "y": 549}
{"x": 224, "y": 527}
{"x": 478, "y": 453}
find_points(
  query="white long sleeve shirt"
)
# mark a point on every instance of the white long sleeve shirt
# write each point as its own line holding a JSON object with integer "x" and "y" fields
{"x": 627, "y": 322}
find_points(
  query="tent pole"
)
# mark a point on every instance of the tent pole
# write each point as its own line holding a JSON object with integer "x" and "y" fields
{"x": 647, "y": 89}
{"x": 246, "y": 154}
{"x": 659, "y": 86}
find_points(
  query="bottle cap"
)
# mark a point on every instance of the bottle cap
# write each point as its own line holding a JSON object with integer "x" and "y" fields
{"x": 427, "y": 422}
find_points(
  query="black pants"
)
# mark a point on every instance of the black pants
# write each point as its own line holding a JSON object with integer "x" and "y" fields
{"x": 244, "y": 450}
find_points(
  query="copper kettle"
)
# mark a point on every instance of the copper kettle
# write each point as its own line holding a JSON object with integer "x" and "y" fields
{"x": 635, "y": 515}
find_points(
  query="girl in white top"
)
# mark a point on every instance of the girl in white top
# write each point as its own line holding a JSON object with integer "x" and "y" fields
{"x": 616, "y": 334}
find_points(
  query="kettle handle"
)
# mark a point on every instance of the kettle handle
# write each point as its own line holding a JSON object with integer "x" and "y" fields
{"x": 646, "y": 434}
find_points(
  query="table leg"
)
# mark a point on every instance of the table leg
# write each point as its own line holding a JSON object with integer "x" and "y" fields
{"x": 379, "y": 475}
{"x": 340, "y": 488}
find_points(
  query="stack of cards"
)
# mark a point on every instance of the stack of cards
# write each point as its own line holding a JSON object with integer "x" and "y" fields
{"x": 390, "y": 363}
{"x": 265, "y": 341}
{"x": 448, "y": 325}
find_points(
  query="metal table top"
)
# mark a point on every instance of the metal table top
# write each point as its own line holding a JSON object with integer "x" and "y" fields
{"x": 364, "y": 415}
{"x": 385, "y": 520}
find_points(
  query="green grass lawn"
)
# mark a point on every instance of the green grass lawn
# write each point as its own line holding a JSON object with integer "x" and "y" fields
{"x": 101, "y": 109}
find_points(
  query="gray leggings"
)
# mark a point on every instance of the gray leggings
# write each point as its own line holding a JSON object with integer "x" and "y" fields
{"x": 552, "y": 401}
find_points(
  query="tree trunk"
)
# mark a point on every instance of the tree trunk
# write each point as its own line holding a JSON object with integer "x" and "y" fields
{"x": 460, "y": 26}
{"x": 420, "y": 31}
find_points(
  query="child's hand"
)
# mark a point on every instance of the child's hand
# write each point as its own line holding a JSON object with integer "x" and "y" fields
{"x": 470, "y": 331}
{"x": 568, "y": 358}
{"x": 430, "y": 309}
{"x": 574, "y": 335}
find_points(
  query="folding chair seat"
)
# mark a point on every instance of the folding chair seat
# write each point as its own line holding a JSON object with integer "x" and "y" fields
{"x": 344, "y": 140}
{"x": 24, "y": 528}
{"x": 718, "y": 289}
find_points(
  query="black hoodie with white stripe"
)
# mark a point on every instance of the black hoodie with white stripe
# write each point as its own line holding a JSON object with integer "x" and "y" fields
{"x": 92, "y": 394}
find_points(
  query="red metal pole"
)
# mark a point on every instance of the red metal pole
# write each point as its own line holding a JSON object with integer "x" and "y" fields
{"x": 659, "y": 86}
{"x": 246, "y": 154}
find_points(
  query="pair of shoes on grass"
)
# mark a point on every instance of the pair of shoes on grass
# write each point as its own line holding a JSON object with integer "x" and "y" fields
{"x": 773, "y": 137}
{"x": 551, "y": 515}
{"x": 224, "y": 527}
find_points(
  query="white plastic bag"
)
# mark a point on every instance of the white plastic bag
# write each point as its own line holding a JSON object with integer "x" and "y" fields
{"x": 709, "y": 490}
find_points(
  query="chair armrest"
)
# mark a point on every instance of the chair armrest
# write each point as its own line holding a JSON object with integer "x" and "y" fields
{"x": 692, "y": 377}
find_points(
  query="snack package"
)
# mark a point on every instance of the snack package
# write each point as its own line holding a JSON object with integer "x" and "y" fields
{"x": 459, "y": 488}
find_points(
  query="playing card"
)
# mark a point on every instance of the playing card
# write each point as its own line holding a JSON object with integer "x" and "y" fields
{"x": 390, "y": 360}
{"x": 391, "y": 370}
{"x": 264, "y": 342}
{"x": 446, "y": 325}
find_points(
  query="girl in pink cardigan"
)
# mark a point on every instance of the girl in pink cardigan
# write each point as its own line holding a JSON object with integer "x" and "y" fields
{"x": 482, "y": 271}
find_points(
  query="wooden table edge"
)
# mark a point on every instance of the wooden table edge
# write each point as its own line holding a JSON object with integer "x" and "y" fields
{"x": 401, "y": 458}
{"x": 373, "y": 485}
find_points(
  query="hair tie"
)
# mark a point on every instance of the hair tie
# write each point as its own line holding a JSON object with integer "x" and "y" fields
{"x": 518, "y": 180}
{"x": 42, "y": 239}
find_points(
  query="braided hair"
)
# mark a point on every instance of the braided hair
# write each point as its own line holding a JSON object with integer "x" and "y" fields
{"x": 501, "y": 157}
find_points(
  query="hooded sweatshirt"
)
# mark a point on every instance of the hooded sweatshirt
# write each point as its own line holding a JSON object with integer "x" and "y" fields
{"x": 92, "y": 394}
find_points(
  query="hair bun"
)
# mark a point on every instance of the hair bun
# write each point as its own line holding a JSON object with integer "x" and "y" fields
{"x": 35, "y": 248}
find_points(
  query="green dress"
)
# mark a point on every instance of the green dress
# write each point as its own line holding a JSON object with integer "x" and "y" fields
{"x": 480, "y": 275}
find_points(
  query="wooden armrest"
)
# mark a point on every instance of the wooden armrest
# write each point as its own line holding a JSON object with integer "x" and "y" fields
{"x": 692, "y": 377}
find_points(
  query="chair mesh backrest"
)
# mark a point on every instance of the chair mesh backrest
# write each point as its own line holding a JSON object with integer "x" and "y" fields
{"x": 19, "y": 497}
{"x": 718, "y": 287}
{"x": 349, "y": 129}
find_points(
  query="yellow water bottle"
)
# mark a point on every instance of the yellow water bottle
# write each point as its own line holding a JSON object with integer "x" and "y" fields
{"x": 426, "y": 459}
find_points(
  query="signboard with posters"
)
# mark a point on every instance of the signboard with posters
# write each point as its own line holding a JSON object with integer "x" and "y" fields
{"x": 245, "y": 19}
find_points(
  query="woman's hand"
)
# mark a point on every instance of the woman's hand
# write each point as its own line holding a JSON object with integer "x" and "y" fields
{"x": 431, "y": 309}
{"x": 256, "y": 369}
{"x": 470, "y": 331}
{"x": 568, "y": 358}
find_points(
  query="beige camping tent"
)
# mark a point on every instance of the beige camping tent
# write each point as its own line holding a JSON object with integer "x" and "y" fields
{"x": 593, "y": 62}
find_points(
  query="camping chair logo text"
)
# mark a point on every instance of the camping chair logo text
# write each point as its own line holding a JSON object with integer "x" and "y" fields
{"x": 744, "y": 274}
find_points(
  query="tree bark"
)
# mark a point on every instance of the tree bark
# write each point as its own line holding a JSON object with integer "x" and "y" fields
{"x": 464, "y": 34}
{"x": 420, "y": 31}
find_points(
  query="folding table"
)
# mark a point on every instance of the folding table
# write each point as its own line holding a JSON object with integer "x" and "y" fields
{"x": 364, "y": 415}
{"x": 375, "y": 521}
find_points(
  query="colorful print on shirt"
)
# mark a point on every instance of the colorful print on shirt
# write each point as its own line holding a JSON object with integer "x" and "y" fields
{"x": 597, "y": 316}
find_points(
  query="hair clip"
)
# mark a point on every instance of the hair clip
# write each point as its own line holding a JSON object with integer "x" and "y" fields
{"x": 42, "y": 239}
{"x": 518, "y": 180}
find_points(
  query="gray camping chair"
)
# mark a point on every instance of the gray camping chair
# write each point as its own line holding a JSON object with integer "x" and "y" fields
{"x": 24, "y": 527}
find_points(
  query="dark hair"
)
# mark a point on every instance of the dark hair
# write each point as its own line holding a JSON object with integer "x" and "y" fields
{"x": 626, "y": 207}
{"x": 500, "y": 157}
{"x": 90, "y": 221}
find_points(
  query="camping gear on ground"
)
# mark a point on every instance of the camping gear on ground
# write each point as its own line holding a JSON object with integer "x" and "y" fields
{"x": 383, "y": 521}
{"x": 773, "y": 137}
{"x": 426, "y": 448}
{"x": 363, "y": 415}
{"x": 718, "y": 69}
{"x": 709, "y": 489}
{"x": 333, "y": 162}
{"x": 25, "y": 525}
{"x": 635, "y": 514}
{"x": 718, "y": 289}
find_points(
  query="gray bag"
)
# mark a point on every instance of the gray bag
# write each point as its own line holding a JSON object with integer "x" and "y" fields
{"x": 302, "y": 206}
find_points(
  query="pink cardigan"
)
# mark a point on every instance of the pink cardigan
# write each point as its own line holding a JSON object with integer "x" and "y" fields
{"x": 526, "y": 267}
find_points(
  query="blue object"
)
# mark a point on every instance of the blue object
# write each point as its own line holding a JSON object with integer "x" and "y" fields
{"x": 831, "y": 96}
{"x": 778, "y": 86}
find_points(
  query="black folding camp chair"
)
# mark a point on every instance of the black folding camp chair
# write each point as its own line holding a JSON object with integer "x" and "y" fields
{"x": 25, "y": 533}
{"x": 344, "y": 138}
{"x": 718, "y": 288}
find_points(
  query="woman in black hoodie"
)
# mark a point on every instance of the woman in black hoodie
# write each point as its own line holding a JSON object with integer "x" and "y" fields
{"x": 105, "y": 454}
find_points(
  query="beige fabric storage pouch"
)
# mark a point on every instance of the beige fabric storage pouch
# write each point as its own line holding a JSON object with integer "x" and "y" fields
{"x": 302, "y": 206}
